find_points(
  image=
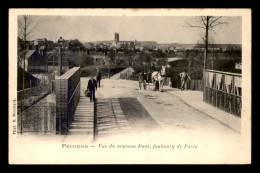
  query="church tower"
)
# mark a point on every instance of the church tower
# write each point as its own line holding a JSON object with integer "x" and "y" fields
{"x": 116, "y": 37}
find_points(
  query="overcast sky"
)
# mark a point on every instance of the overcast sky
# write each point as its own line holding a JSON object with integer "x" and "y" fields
{"x": 161, "y": 29}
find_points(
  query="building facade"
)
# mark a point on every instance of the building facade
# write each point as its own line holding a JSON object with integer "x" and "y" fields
{"x": 123, "y": 44}
{"x": 32, "y": 61}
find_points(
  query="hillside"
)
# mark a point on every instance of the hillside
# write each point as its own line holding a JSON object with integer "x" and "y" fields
{"x": 128, "y": 71}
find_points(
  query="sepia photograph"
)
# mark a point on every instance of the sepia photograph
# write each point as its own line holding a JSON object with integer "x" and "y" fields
{"x": 129, "y": 86}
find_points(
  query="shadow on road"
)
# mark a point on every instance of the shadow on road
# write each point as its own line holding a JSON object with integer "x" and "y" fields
{"x": 121, "y": 115}
{"x": 171, "y": 89}
{"x": 136, "y": 114}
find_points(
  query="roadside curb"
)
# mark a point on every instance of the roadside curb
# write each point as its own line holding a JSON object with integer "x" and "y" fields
{"x": 223, "y": 120}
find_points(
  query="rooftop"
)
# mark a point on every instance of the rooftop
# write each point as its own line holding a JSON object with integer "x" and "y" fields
{"x": 29, "y": 54}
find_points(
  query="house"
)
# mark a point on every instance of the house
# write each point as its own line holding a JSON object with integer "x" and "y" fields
{"x": 52, "y": 61}
{"x": 32, "y": 61}
{"x": 28, "y": 82}
{"x": 41, "y": 45}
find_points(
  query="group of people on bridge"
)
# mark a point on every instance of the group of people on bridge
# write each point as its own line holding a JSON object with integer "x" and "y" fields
{"x": 93, "y": 84}
{"x": 157, "y": 77}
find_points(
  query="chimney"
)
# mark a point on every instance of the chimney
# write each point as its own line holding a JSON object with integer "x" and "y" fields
{"x": 36, "y": 45}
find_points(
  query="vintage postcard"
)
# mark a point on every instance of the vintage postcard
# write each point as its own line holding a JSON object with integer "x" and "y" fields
{"x": 129, "y": 86}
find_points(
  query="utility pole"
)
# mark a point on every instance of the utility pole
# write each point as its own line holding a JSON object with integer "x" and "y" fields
{"x": 60, "y": 62}
{"x": 23, "y": 69}
{"x": 79, "y": 55}
{"x": 53, "y": 64}
{"x": 25, "y": 22}
{"x": 109, "y": 68}
{"x": 206, "y": 42}
{"x": 60, "y": 41}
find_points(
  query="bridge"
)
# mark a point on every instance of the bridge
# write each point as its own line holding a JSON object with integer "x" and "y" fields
{"x": 67, "y": 111}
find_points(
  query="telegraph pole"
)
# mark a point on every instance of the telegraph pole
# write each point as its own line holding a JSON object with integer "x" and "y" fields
{"x": 205, "y": 58}
{"x": 206, "y": 43}
{"x": 60, "y": 62}
{"x": 79, "y": 56}
{"x": 109, "y": 68}
{"x": 60, "y": 41}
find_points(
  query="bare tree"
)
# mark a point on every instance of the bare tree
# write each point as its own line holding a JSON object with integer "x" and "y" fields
{"x": 26, "y": 26}
{"x": 207, "y": 23}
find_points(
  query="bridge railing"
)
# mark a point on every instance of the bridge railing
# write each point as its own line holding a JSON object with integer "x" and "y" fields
{"x": 33, "y": 113}
{"x": 195, "y": 85}
{"x": 223, "y": 90}
{"x": 67, "y": 90}
{"x": 30, "y": 96}
{"x": 37, "y": 119}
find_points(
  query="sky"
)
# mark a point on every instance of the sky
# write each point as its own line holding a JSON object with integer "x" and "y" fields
{"x": 162, "y": 29}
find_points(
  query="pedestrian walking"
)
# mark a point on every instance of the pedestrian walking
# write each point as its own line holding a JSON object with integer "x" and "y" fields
{"x": 184, "y": 77}
{"x": 98, "y": 77}
{"x": 92, "y": 86}
{"x": 142, "y": 79}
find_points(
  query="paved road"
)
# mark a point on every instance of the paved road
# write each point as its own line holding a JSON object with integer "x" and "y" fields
{"x": 126, "y": 113}
{"x": 168, "y": 111}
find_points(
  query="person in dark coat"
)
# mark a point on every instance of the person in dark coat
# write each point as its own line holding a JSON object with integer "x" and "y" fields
{"x": 98, "y": 77}
{"x": 92, "y": 86}
{"x": 184, "y": 77}
{"x": 142, "y": 79}
{"x": 153, "y": 67}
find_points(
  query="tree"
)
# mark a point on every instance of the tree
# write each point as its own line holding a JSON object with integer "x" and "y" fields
{"x": 129, "y": 54}
{"x": 112, "y": 56}
{"x": 207, "y": 23}
{"x": 141, "y": 58}
{"x": 26, "y": 26}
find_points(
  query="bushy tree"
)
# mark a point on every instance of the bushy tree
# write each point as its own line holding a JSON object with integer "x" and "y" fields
{"x": 112, "y": 56}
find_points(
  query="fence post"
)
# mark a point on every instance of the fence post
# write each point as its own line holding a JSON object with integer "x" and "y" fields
{"x": 204, "y": 85}
{"x": 21, "y": 118}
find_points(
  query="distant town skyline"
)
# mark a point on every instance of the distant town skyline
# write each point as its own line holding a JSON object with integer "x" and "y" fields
{"x": 163, "y": 29}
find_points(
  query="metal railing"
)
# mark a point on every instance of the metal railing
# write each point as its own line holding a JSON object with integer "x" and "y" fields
{"x": 67, "y": 90}
{"x": 195, "y": 85}
{"x": 95, "y": 132}
{"x": 43, "y": 87}
{"x": 37, "y": 119}
{"x": 33, "y": 113}
{"x": 223, "y": 90}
